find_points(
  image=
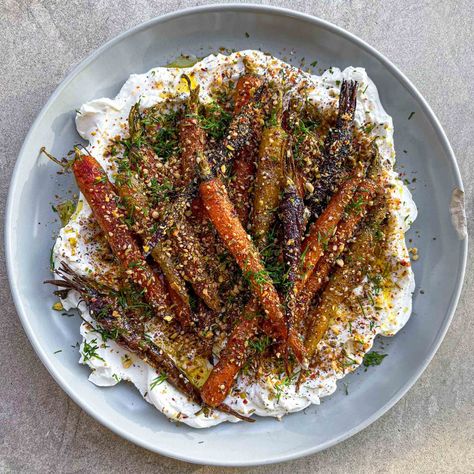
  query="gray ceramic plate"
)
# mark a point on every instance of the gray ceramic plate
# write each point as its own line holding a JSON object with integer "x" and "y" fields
{"x": 439, "y": 273}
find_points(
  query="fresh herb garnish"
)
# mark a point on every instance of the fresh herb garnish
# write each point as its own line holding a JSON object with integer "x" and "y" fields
{"x": 355, "y": 206}
{"x": 160, "y": 192}
{"x": 260, "y": 277}
{"x": 368, "y": 128}
{"x": 158, "y": 380}
{"x": 51, "y": 259}
{"x": 215, "y": 121}
{"x": 89, "y": 351}
{"x": 162, "y": 132}
{"x": 373, "y": 358}
{"x": 283, "y": 383}
{"x": 260, "y": 344}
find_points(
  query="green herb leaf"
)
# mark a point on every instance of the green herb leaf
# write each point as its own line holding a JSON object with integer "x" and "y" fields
{"x": 215, "y": 121}
{"x": 158, "y": 380}
{"x": 89, "y": 351}
{"x": 260, "y": 344}
{"x": 373, "y": 358}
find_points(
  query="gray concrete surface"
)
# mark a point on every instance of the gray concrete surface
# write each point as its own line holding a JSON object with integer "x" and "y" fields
{"x": 430, "y": 430}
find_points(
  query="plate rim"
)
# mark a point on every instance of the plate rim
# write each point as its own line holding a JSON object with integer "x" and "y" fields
{"x": 13, "y": 192}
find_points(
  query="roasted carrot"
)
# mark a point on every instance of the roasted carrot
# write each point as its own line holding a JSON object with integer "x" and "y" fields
{"x": 100, "y": 194}
{"x": 193, "y": 264}
{"x": 269, "y": 178}
{"x": 141, "y": 219}
{"x": 232, "y": 357}
{"x": 291, "y": 216}
{"x": 224, "y": 218}
{"x": 191, "y": 136}
{"x": 167, "y": 219}
{"x": 243, "y": 166}
{"x": 161, "y": 255}
{"x": 324, "y": 227}
{"x": 346, "y": 278}
{"x": 337, "y": 149}
{"x": 139, "y": 215}
{"x": 243, "y": 178}
{"x": 356, "y": 211}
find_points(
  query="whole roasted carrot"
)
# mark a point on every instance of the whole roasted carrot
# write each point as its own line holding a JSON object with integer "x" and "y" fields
{"x": 191, "y": 136}
{"x": 100, "y": 194}
{"x": 232, "y": 357}
{"x": 356, "y": 210}
{"x": 243, "y": 167}
{"x": 315, "y": 244}
{"x": 291, "y": 216}
{"x": 140, "y": 219}
{"x": 346, "y": 278}
{"x": 269, "y": 178}
{"x": 337, "y": 149}
{"x": 324, "y": 227}
{"x": 223, "y": 216}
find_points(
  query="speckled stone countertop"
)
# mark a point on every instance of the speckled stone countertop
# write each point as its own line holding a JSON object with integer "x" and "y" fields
{"x": 430, "y": 430}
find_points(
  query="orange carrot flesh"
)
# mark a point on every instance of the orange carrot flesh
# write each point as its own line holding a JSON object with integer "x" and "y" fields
{"x": 99, "y": 193}
{"x": 232, "y": 357}
{"x": 225, "y": 220}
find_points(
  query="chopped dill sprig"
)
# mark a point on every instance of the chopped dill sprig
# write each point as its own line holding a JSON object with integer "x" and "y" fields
{"x": 158, "y": 380}
{"x": 215, "y": 121}
{"x": 260, "y": 344}
{"x": 89, "y": 351}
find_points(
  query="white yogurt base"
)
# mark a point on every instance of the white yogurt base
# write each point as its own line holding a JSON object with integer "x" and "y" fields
{"x": 101, "y": 120}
